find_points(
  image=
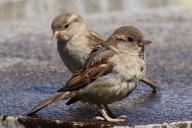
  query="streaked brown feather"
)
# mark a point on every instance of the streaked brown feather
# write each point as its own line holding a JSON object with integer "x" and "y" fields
{"x": 99, "y": 55}
{"x": 95, "y": 66}
{"x": 54, "y": 98}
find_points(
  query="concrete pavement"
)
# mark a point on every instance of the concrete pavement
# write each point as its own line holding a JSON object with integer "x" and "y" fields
{"x": 31, "y": 70}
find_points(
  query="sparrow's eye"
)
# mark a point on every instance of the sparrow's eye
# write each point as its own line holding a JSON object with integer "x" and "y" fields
{"x": 66, "y": 26}
{"x": 130, "y": 39}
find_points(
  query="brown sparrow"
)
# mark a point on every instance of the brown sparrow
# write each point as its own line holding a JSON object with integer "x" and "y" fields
{"x": 111, "y": 72}
{"x": 76, "y": 40}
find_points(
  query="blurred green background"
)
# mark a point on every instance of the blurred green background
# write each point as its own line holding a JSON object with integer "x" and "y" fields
{"x": 25, "y": 9}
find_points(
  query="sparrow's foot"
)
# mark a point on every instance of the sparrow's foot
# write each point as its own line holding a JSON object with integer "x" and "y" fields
{"x": 110, "y": 119}
{"x": 118, "y": 119}
{"x": 124, "y": 117}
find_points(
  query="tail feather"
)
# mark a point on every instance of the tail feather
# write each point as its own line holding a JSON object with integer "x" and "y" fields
{"x": 55, "y": 98}
{"x": 150, "y": 82}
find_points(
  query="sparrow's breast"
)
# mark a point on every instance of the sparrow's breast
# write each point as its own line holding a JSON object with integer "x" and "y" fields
{"x": 70, "y": 61}
{"x": 128, "y": 67}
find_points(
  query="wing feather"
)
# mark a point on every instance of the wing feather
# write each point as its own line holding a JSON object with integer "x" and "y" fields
{"x": 95, "y": 66}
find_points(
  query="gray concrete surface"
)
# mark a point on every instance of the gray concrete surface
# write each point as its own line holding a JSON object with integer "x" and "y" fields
{"x": 31, "y": 70}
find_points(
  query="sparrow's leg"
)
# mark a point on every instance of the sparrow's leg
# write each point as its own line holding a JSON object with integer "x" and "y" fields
{"x": 107, "y": 117}
{"x": 109, "y": 112}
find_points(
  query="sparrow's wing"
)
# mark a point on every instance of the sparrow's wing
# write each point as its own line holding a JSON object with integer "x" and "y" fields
{"x": 95, "y": 66}
{"x": 99, "y": 55}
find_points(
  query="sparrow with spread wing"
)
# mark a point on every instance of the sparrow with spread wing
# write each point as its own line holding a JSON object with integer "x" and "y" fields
{"x": 111, "y": 72}
{"x": 76, "y": 40}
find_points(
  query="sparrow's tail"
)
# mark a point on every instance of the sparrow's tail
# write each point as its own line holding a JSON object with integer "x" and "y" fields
{"x": 55, "y": 98}
{"x": 150, "y": 82}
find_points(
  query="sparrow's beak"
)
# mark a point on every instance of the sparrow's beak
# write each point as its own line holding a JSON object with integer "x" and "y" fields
{"x": 57, "y": 34}
{"x": 145, "y": 41}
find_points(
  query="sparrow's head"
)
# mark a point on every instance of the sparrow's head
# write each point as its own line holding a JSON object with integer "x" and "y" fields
{"x": 65, "y": 26}
{"x": 128, "y": 38}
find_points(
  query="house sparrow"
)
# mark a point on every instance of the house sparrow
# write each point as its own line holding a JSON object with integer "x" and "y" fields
{"x": 111, "y": 72}
{"x": 75, "y": 41}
